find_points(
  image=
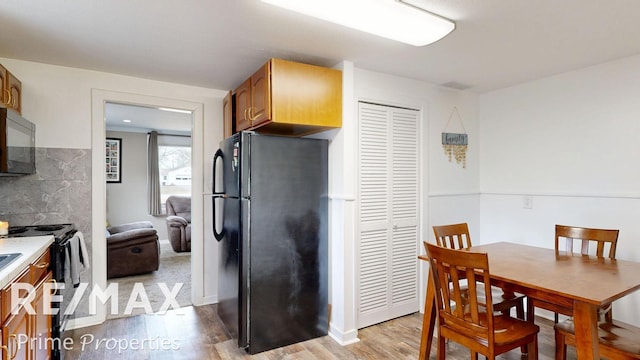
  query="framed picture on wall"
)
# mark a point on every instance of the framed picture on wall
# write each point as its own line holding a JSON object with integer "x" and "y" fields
{"x": 113, "y": 160}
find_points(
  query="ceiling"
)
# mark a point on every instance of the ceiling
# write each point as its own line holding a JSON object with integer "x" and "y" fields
{"x": 132, "y": 118}
{"x": 219, "y": 43}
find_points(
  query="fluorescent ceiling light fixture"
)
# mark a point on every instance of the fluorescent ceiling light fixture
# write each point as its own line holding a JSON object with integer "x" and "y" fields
{"x": 175, "y": 110}
{"x": 392, "y": 19}
{"x": 126, "y": 120}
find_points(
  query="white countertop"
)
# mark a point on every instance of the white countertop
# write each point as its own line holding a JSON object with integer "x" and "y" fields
{"x": 30, "y": 247}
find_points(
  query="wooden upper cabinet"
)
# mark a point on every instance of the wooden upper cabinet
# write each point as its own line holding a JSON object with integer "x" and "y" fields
{"x": 15, "y": 89}
{"x": 305, "y": 95}
{"x": 5, "y": 93}
{"x": 290, "y": 98}
{"x": 227, "y": 117}
{"x": 243, "y": 104}
{"x": 260, "y": 110}
{"x": 252, "y": 100}
{"x": 10, "y": 90}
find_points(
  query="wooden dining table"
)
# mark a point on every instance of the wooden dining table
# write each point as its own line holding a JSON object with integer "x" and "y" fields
{"x": 581, "y": 283}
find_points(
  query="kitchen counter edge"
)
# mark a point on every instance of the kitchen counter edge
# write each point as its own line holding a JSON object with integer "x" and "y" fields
{"x": 30, "y": 247}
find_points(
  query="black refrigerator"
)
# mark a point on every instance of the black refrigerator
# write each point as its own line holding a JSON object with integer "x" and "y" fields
{"x": 270, "y": 211}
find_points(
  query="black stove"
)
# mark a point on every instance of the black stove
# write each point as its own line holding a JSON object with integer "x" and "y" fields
{"x": 60, "y": 232}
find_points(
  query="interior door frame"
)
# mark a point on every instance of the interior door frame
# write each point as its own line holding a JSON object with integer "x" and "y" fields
{"x": 99, "y": 98}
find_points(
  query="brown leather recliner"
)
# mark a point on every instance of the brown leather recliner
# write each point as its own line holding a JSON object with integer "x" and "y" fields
{"x": 179, "y": 222}
{"x": 132, "y": 249}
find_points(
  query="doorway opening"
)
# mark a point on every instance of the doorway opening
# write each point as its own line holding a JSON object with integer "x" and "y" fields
{"x": 131, "y": 218}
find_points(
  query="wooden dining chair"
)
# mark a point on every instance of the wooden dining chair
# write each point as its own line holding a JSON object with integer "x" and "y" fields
{"x": 618, "y": 340}
{"x": 462, "y": 317}
{"x": 572, "y": 240}
{"x": 456, "y": 236}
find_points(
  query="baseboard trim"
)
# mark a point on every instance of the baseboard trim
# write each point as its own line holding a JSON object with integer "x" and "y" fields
{"x": 206, "y": 300}
{"x": 343, "y": 338}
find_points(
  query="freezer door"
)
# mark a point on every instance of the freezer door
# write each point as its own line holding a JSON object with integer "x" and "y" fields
{"x": 288, "y": 241}
{"x": 230, "y": 150}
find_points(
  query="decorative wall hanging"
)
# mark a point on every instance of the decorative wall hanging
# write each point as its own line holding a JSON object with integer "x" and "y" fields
{"x": 113, "y": 160}
{"x": 455, "y": 144}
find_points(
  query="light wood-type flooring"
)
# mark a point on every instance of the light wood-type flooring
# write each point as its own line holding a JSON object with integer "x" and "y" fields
{"x": 198, "y": 334}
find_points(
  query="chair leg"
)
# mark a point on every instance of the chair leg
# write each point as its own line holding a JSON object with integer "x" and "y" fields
{"x": 530, "y": 310}
{"x": 533, "y": 349}
{"x": 442, "y": 350}
{"x": 561, "y": 346}
{"x": 520, "y": 310}
{"x": 520, "y": 315}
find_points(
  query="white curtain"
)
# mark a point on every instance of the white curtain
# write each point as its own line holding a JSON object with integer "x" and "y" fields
{"x": 153, "y": 176}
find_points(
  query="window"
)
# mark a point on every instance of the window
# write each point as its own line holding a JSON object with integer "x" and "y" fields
{"x": 174, "y": 163}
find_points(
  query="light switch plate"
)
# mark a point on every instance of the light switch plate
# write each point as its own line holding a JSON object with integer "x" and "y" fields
{"x": 527, "y": 202}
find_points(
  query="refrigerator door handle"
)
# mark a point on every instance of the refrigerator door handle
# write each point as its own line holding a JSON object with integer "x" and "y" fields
{"x": 217, "y": 156}
{"x": 217, "y": 195}
{"x": 218, "y": 235}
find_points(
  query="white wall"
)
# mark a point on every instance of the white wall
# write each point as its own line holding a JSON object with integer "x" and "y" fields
{"x": 127, "y": 201}
{"x": 450, "y": 191}
{"x": 570, "y": 142}
{"x": 59, "y": 101}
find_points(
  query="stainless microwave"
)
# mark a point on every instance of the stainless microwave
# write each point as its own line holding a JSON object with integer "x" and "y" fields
{"x": 17, "y": 144}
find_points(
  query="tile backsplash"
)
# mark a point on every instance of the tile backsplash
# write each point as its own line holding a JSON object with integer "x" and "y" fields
{"x": 59, "y": 192}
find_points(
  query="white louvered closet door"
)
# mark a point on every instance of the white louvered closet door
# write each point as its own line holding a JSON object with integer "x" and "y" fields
{"x": 388, "y": 213}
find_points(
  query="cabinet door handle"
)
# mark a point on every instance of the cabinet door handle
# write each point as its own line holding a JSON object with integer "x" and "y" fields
{"x": 6, "y": 348}
{"x": 252, "y": 118}
{"x": 245, "y": 114}
{"x": 42, "y": 266}
{"x": 15, "y": 347}
{"x": 8, "y": 102}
